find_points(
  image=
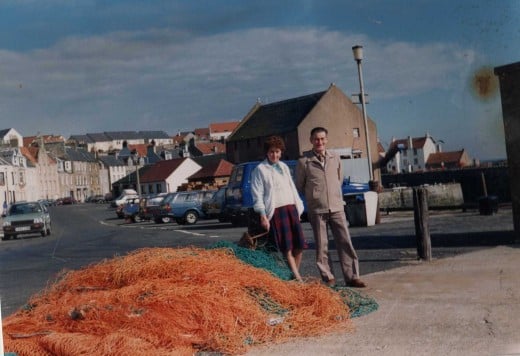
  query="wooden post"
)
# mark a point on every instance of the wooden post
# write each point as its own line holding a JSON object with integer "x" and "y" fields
{"x": 484, "y": 186}
{"x": 422, "y": 230}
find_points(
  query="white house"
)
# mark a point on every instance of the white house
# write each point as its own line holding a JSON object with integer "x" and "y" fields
{"x": 221, "y": 130}
{"x": 10, "y": 138}
{"x": 412, "y": 153}
{"x": 113, "y": 140}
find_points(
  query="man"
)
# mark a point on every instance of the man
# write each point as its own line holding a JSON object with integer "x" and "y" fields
{"x": 319, "y": 177}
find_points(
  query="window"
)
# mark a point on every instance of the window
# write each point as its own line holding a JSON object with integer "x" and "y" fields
{"x": 415, "y": 151}
{"x": 2, "y": 178}
{"x": 355, "y": 132}
{"x": 158, "y": 188}
{"x": 415, "y": 161}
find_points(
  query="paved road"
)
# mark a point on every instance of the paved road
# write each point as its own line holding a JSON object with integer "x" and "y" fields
{"x": 85, "y": 234}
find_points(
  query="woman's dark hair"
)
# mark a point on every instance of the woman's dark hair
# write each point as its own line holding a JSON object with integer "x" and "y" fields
{"x": 274, "y": 142}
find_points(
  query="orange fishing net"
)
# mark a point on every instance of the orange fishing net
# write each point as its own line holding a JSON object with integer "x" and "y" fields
{"x": 165, "y": 301}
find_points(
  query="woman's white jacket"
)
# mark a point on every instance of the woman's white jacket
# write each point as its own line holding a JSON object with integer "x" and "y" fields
{"x": 262, "y": 188}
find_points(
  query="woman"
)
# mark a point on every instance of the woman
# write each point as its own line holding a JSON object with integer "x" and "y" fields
{"x": 278, "y": 204}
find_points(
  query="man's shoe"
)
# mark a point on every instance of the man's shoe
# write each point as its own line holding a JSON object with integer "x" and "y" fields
{"x": 356, "y": 283}
{"x": 331, "y": 282}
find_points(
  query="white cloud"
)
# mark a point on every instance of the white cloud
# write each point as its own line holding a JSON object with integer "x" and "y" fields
{"x": 104, "y": 82}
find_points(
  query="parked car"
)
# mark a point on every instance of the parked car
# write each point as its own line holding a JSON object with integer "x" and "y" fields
{"x": 215, "y": 208}
{"x": 126, "y": 195}
{"x": 47, "y": 202}
{"x": 130, "y": 210}
{"x": 67, "y": 201}
{"x": 26, "y": 218}
{"x": 239, "y": 199}
{"x": 149, "y": 204}
{"x": 183, "y": 207}
{"x": 98, "y": 199}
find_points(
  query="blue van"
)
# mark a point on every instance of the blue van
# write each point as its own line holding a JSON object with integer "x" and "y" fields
{"x": 239, "y": 199}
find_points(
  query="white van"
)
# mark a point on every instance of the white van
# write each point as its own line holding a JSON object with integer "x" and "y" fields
{"x": 124, "y": 197}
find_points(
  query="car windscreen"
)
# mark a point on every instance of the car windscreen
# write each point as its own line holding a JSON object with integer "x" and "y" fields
{"x": 24, "y": 209}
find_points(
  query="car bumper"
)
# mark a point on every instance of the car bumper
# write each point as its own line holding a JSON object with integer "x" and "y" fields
{"x": 23, "y": 229}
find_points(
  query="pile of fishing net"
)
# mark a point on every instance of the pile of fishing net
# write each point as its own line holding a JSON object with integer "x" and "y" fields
{"x": 164, "y": 301}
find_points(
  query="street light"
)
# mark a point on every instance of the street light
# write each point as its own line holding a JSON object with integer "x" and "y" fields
{"x": 358, "y": 57}
{"x": 138, "y": 162}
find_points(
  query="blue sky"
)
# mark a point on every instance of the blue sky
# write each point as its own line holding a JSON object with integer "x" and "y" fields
{"x": 78, "y": 66}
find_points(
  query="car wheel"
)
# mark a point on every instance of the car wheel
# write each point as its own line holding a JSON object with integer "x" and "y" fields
{"x": 137, "y": 218}
{"x": 166, "y": 219}
{"x": 191, "y": 217}
{"x": 6, "y": 237}
{"x": 48, "y": 230}
{"x": 44, "y": 231}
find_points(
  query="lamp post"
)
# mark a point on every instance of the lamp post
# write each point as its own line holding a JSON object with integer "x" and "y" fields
{"x": 138, "y": 162}
{"x": 358, "y": 57}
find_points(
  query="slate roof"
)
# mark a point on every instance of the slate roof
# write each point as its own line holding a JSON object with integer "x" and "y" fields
{"x": 175, "y": 152}
{"x": 111, "y": 161}
{"x": 98, "y": 137}
{"x": 4, "y": 132}
{"x": 206, "y": 160}
{"x": 118, "y": 135}
{"x": 81, "y": 138}
{"x": 153, "y": 134}
{"x": 79, "y": 155}
{"x": 122, "y": 135}
{"x": 276, "y": 118}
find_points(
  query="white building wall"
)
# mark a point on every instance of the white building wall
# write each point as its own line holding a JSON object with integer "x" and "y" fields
{"x": 163, "y": 141}
{"x": 12, "y": 135}
{"x": 218, "y": 135}
{"x": 100, "y": 146}
{"x": 181, "y": 174}
{"x": 32, "y": 187}
{"x": 104, "y": 180}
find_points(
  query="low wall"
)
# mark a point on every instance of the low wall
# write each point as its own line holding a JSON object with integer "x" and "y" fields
{"x": 470, "y": 179}
{"x": 439, "y": 196}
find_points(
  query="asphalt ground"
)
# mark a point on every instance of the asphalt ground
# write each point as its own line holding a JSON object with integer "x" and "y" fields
{"x": 389, "y": 244}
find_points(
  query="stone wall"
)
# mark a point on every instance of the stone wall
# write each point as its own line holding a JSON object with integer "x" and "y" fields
{"x": 439, "y": 196}
{"x": 472, "y": 180}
